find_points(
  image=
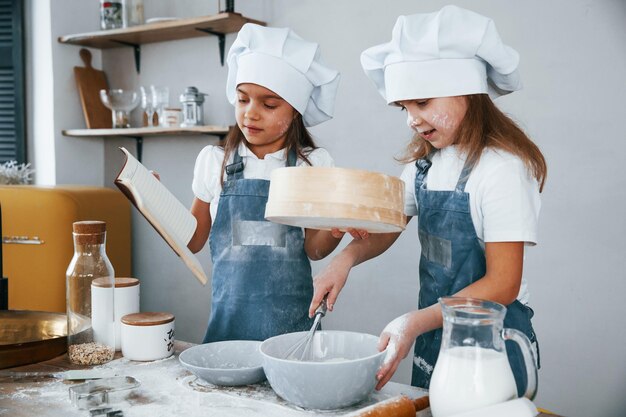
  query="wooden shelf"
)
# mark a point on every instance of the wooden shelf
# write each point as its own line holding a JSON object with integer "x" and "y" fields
{"x": 192, "y": 27}
{"x": 149, "y": 131}
{"x": 138, "y": 133}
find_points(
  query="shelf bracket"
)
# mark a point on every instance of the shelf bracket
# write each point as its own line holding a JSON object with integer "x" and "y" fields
{"x": 137, "y": 53}
{"x": 230, "y": 6}
{"x": 221, "y": 39}
{"x": 139, "y": 142}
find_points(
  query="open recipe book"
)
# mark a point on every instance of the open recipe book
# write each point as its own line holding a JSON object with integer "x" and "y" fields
{"x": 157, "y": 204}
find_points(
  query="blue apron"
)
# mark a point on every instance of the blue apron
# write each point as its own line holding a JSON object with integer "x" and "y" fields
{"x": 451, "y": 259}
{"x": 262, "y": 283}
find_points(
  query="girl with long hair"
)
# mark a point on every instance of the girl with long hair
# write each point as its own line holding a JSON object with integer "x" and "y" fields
{"x": 473, "y": 179}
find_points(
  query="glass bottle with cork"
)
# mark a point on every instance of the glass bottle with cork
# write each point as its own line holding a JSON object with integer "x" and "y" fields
{"x": 90, "y": 322}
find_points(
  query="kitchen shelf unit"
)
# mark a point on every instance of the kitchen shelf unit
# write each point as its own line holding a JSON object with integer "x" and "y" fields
{"x": 138, "y": 133}
{"x": 184, "y": 28}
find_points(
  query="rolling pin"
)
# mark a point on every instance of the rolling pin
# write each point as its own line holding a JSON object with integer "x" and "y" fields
{"x": 400, "y": 406}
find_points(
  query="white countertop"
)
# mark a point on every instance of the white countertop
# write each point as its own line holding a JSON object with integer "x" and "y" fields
{"x": 167, "y": 389}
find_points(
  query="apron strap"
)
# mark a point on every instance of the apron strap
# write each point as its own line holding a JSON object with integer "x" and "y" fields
{"x": 465, "y": 173}
{"x": 292, "y": 158}
{"x": 423, "y": 165}
{"x": 234, "y": 171}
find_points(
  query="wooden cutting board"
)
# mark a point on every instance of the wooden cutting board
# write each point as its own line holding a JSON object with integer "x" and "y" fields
{"x": 89, "y": 82}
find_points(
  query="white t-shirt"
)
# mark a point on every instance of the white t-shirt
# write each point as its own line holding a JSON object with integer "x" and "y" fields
{"x": 503, "y": 195}
{"x": 206, "y": 183}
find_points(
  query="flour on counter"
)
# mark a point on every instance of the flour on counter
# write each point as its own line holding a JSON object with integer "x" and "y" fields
{"x": 167, "y": 389}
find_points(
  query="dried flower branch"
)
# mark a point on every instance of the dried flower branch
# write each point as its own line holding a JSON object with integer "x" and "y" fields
{"x": 12, "y": 173}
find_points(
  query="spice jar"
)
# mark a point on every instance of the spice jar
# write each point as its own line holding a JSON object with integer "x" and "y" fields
{"x": 90, "y": 328}
{"x": 148, "y": 336}
{"x": 191, "y": 101}
{"x": 111, "y": 14}
{"x": 170, "y": 117}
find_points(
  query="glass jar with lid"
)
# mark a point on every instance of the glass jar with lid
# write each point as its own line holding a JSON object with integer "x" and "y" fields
{"x": 111, "y": 14}
{"x": 90, "y": 320}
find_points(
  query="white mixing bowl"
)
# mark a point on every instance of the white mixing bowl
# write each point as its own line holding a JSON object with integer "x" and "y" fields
{"x": 342, "y": 371}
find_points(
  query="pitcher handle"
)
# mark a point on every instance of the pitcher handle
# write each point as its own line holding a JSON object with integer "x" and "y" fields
{"x": 529, "y": 359}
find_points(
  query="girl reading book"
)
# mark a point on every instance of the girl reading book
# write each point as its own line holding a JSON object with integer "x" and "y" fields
{"x": 261, "y": 281}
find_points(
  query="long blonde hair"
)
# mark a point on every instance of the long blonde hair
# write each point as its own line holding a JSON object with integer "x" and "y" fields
{"x": 298, "y": 139}
{"x": 484, "y": 125}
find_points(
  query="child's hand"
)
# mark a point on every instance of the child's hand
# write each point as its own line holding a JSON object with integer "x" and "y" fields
{"x": 357, "y": 234}
{"x": 329, "y": 281}
{"x": 156, "y": 175}
{"x": 397, "y": 337}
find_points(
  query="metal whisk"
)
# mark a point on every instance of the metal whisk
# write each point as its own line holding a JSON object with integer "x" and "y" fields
{"x": 302, "y": 348}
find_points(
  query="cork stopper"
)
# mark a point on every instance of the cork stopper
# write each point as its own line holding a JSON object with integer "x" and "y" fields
{"x": 89, "y": 232}
{"x": 119, "y": 282}
{"x": 147, "y": 319}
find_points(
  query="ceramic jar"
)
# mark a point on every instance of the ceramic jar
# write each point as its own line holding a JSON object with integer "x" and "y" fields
{"x": 125, "y": 301}
{"x": 147, "y": 336}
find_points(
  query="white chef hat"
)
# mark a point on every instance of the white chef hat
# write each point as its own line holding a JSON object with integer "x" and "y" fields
{"x": 451, "y": 52}
{"x": 281, "y": 61}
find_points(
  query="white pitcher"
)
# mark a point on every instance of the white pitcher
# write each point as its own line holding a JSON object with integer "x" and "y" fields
{"x": 473, "y": 370}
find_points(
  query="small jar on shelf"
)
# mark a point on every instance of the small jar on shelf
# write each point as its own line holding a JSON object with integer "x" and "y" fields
{"x": 133, "y": 12}
{"x": 111, "y": 14}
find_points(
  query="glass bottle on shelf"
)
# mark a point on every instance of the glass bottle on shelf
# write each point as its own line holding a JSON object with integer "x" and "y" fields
{"x": 90, "y": 320}
{"x": 111, "y": 14}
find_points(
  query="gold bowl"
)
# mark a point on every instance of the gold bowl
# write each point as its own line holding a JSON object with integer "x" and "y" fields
{"x": 31, "y": 336}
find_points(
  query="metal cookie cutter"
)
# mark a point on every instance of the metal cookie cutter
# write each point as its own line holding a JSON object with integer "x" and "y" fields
{"x": 101, "y": 392}
{"x": 106, "y": 412}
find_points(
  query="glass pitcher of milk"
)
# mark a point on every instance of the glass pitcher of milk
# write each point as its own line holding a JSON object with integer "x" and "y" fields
{"x": 473, "y": 370}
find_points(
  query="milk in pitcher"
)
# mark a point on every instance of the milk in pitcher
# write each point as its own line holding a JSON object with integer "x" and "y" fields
{"x": 470, "y": 377}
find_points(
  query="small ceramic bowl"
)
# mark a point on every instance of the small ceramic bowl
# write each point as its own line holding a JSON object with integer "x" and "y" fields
{"x": 231, "y": 363}
{"x": 342, "y": 371}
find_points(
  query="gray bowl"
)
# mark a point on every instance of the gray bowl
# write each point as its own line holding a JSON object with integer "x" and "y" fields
{"x": 342, "y": 371}
{"x": 232, "y": 363}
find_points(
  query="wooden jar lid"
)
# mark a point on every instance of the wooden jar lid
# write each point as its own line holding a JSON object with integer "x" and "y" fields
{"x": 119, "y": 282}
{"x": 326, "y": 198}
{"x": 148, "y": 318}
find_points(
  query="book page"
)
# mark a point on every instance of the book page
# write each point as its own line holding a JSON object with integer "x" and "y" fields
{"x": 163, "y": 206}
{"x": 163, "y": 211}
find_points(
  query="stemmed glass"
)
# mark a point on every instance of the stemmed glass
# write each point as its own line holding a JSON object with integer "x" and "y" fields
{"x": 121, "y": 102}
{"x": 147, "y": 104}
{"x": 160, "y": 100}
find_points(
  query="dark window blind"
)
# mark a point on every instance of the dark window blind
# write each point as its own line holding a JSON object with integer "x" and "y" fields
{"x": 12, "y": 130}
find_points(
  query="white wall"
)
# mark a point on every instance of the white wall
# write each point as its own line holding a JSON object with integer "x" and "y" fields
{"x": 53, "y": 101}
{"x": 573, "y": 65}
